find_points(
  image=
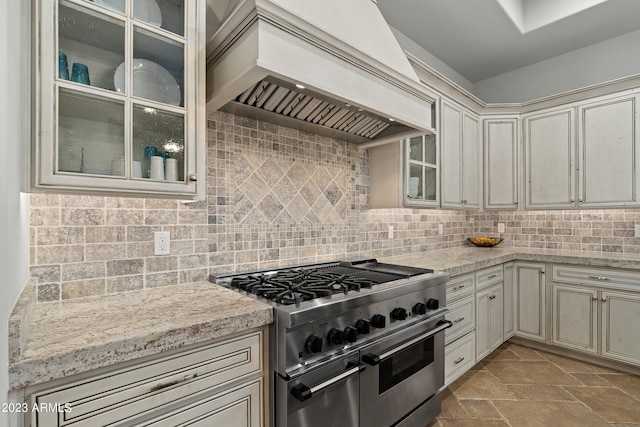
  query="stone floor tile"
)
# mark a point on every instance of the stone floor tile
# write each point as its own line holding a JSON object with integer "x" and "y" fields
{"x": 468, "y": 422}
{"x": 480, "y": 385}
{"x": 573, "y": 365}
{"x": 480, "y": 409}
{"x": 540, "y": 392}
{"x": 545, "y": 414}
{"x": 525, "y": 353}
{"x": 628, "y": 383}
{"x": 451, "y": 406}
{"x": 502, "y": 355}
{"x": 610, "y": 403}
{"x": 592, "y": 380}
{"x": 529, "y": 372}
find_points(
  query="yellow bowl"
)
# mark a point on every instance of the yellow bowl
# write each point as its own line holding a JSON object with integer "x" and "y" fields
{"x": 485, "y": 242}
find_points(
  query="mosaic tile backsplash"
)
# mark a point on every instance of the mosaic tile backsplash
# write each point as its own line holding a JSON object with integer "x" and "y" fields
{"x": 276, "y": 196}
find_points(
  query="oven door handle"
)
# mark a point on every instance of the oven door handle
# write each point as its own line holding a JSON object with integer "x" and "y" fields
{"x": 302, "y": 392}
{"x": 374, "y": 360}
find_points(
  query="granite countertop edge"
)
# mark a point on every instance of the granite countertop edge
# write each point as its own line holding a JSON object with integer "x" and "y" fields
{"x": 38, "y": 357}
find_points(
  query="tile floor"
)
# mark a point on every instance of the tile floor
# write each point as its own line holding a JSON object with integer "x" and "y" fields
{"x": 518, "y": 386}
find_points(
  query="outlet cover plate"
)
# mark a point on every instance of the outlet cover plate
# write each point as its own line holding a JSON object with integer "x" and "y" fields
{"x": 162, "y": 243}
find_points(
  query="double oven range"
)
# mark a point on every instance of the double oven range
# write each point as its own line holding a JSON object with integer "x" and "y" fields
{"x": 352, "y": 344}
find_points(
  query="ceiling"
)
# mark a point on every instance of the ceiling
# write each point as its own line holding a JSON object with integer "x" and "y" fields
{"x": 480, "y": 39}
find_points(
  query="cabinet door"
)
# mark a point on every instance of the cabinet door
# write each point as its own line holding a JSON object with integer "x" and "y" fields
{"x": 575, "y": 317}
{"x": 471, "y": 155}
{"x": 530, "y": 301}
{"x": 508, "y": 303}
{"x": 495, "y": 316}
{"x": 451, "y": 138}
{"x": 501, "y": 164}
{"x": 483, "y": 323}
{"x": 608, "y": 152}
{"x": 550, "y": 159}
{"x": 620, "y": 332}
{"x": 114, "y": 93}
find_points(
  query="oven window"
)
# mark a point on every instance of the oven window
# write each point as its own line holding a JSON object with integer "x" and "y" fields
{"x": 404, "y": 364}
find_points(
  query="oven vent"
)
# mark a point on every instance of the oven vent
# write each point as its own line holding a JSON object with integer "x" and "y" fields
{"x": 313, "y": 108}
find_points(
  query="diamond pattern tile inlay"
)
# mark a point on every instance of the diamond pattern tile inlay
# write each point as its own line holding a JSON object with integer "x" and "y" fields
{"x": 281, "y": 191}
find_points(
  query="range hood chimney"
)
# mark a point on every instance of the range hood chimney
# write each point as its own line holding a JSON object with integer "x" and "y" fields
{"x": 331, "y": 67}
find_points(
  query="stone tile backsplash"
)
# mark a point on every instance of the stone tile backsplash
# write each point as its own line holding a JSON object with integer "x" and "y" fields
{"x": 276, "y": 196}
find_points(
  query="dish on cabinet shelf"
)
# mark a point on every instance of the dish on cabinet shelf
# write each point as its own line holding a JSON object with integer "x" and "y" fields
{"x": 150, "y": 81}
{"x": 144, "y": 10}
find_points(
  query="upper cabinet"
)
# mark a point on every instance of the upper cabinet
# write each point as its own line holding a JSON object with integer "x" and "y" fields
{"x": 501, "y": 163}
{"x": 550, "y": 166}
{"x": 583, "y": 155}
{"x": 118, "y": 105}
{"x": 405, "y": 174}
{"x": 608, "y": 152}
{"x": 461, "y": 155}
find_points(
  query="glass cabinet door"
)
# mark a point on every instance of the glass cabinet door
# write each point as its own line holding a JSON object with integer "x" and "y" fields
{"x": 118, "y": 98}
{"x": 422, "y": 170}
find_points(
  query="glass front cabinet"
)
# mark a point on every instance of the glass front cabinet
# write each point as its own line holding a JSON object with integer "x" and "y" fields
{"x": 119, "y": 99}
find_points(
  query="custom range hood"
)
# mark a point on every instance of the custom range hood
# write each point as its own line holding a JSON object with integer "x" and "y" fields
{"x": 331, "y": 67}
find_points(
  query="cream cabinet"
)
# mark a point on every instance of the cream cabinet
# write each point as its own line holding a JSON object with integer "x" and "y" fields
{"x": 461, "y": 157}
{"x": 459, "y": 353}
{"x": 550, "y": 163}
{"x": 406, "y": 173}
{"x": 508, "y": 295}
{"x": 221, "y": 383}
{"x": 595, "y": 311}
{"x": 118, "y": 105}
{"x": 489, "y": 310}
{"x": 501, "y": 163}
{"x": 609, "y": 152}
{"x": 530, "y": 300}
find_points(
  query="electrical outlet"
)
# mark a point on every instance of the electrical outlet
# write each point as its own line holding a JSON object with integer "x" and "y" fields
{"x": 501, "y": 227}
{"x": 637, "y": 232}
{"x": 162, "y": 243}
{"x": 471, "y": 220}
{"x": 390, "y": 232}
{"x": 441, "y": 229}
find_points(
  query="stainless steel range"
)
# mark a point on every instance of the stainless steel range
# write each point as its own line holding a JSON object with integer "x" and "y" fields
{"x": 356, "y": 343}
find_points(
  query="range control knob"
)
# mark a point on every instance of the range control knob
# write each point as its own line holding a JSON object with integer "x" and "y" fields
{"x": 314, "y": 344}
{"x": 351, "y": 334}
{"x": 362, "y": 326}
{"x": 378, "y": 321}
{"x": 336, "y": 337}
{"x": 433, "y": 304}
{"x": 398, "y": 313}
{"x": 419, "y": 308}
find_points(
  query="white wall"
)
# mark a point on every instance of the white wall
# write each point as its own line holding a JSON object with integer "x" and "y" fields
{"x": 14, "y": 206}
{"x": 598, "y": 63}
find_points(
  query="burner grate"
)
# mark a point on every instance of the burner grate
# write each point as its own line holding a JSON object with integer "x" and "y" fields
{"x": 297, "y": 285}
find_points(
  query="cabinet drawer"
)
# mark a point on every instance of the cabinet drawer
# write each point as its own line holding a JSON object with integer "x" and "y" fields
{"x": 597, "y": 277}
{"x": 489, "y": 276}
{"x": 239, "y": 407}
{"x": 458, "y": 358}
{"x": 462, "y": 314}
{"x": 127, "y": 393}
{"x": 460, "y": 286}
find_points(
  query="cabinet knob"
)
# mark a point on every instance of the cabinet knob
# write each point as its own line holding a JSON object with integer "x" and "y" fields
{"x": 604, "y": 299}
{"x": 594, "y": 298}
{"x": 193, "y": 177}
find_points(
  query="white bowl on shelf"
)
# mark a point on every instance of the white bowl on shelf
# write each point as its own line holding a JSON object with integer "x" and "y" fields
{"x": 143, "y": 10}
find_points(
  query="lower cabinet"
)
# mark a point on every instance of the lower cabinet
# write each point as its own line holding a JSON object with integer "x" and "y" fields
{"x": 508, "y": 318}
{"x": 596, "y": 311}
{"x": 220, "y": 383}
{"x": 530, "y": 300}
{"x": 459, "y": 351}
{"x": 488, "y": 320}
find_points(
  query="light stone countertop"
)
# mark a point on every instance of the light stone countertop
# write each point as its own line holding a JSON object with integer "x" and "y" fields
{"x": 466, "y": 259}
{"x": 71, "y": 337}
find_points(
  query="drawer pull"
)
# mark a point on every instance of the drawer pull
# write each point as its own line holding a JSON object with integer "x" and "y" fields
{"x": 492, "y": 297}
{"x": 599, "y": 278}
{"x": 457, "y": 362}
{"x": 458, "y": 320}
{"x": 492, "y": 276}
{"x": 172, "y": 383}
{"x": 457, "y": 288}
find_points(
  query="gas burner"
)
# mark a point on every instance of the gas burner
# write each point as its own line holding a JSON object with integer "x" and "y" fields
{"x": 297, "y": 285}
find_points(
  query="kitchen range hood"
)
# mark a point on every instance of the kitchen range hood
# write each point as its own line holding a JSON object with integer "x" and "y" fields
{"x": 331, "y": 67}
